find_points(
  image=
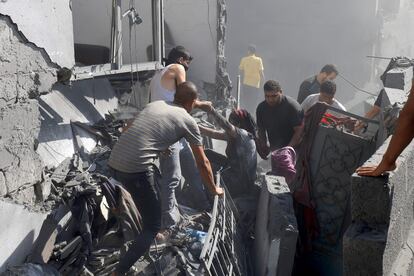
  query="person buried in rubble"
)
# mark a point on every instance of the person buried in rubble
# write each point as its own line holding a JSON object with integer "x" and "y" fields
{"x": 180, "y": 161}
{"x": 240, "y": 133}
{"x": 159, "y": 125}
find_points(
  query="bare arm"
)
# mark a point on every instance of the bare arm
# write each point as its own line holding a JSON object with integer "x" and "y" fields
{"x": 223, "y": 123}
{"x": 370, "y": 114}
{"x": 203, "y": 164}
{"x": 297, "y": 136}
{"x": 219, "y": 135}
{"x": 403, "y": 135}
{"x": 373, "y": 112}
{"x": 220, "y": 120}
{"x": 180, "y": 75}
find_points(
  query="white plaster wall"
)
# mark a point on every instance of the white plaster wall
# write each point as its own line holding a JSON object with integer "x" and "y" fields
{"x": 48, "y": 24}
{"x": 188, "y": 21}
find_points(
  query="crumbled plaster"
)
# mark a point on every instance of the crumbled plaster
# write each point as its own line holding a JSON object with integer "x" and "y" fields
{"x": 25, "y": 73}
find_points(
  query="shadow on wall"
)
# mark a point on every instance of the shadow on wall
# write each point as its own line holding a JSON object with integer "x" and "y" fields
{"x": 19, "y": 254}
{"x": 85, "y": 101}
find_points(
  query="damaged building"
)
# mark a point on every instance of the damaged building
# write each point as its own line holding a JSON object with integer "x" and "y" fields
{"x": 74, "y": 71}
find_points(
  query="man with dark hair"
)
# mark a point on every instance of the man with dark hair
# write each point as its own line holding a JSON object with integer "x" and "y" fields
{"x": 164, "y": 82}
{"x": 279, "y": 120}
{"x": 312, "y": 85}
{"x": 180, "y": 162}
{"x": 159, "y": 125}
{"x": 251, "y": 66}
{"x": 326, "y": 94}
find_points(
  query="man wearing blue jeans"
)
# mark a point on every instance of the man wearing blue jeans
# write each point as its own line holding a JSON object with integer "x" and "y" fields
{"x": 180, "y": 160}
{"x": 157, "y": 126}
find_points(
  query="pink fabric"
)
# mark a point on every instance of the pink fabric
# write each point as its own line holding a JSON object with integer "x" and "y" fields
{"x": 283, "y": 163}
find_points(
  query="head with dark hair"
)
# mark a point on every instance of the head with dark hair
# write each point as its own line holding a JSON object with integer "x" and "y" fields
{"x": 327, "y": 92}
{"x": 186, "y": 95}
{"x": 179, "y": 55}
{"x": 273, "y": 92}
{"x": 328, "y": 72}
{"x": 251, "y": 49}
{"x": 328, "y": 87}
{"x": 241, "y": 118}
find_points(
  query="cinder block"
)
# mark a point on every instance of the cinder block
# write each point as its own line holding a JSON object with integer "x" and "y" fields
{"x": 276, "y": 228}
{"x": 363, "y": 249}
{"x": 370, "y": 200}
{"x": 399, "y": 78}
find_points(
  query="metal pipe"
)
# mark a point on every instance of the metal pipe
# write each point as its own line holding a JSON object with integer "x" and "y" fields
{"x": 238, "y": 91}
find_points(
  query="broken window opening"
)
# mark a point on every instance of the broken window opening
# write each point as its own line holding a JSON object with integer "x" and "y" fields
{"x": 115, "y": 37}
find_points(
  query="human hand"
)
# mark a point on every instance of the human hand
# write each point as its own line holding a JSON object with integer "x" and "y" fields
{"x": 204, "y": 105}
{"x": 359, "y": 126}
{"x": 218, "y": 191}
{"x": 262, "y": 149}
{"x": 382, "y": 167}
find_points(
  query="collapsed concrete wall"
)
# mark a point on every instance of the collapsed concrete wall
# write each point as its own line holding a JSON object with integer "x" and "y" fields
{"x": 379, "y": 238}
{"x": 26, "y": 71}
{"x": 36, "y": 18}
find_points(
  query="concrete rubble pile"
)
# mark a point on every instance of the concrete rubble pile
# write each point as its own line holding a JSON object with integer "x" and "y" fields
{"x": 93, "y": 219}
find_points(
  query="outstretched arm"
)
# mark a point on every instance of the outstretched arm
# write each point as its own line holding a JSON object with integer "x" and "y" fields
{"x": 203, "y": 164}
{"x": 223, "y": 123}
{"x": 219, "y": 135}
{"x": 220, "y": 120}
{"x": 403, "y": 135}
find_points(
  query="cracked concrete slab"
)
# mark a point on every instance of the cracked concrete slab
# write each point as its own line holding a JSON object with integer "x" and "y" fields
{"x": 21, "y": 230}
{"x": 35, "y": 20}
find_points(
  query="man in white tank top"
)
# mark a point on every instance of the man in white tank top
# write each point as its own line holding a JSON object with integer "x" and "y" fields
{"x": 180, "y": 162}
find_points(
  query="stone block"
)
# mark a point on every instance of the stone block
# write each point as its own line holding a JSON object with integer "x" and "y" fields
{"x": 363, "y": 249}
{"x": 276, "y": 228}
{"x": 404, "y": 264}
{"x": 399, "y": 78}
{"x": 370, "y": 200}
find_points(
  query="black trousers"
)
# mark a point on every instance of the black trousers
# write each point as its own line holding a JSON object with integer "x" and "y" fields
{"x": 143, "y": 188}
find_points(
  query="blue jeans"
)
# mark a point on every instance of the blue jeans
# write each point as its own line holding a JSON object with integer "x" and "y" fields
{"x": 179, "y": 163}
{"x": 143, "y": 188}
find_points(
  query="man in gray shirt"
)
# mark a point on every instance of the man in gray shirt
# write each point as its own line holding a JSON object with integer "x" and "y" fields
{"x": 159, "y": 125}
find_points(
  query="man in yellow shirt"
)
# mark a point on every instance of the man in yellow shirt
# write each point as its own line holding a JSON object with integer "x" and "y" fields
{"x": 251, "y": 67}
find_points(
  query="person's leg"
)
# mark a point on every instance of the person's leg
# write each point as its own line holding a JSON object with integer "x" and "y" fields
{"x": 249, "y": 99}
{"x": 192, "y": 175}
{"x": 171, "y": 176}
{"x": 144, "y": 191}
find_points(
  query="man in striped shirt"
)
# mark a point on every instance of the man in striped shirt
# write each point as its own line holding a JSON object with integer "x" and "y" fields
{"x": 159, "y": 125}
